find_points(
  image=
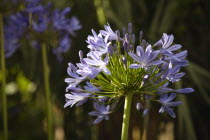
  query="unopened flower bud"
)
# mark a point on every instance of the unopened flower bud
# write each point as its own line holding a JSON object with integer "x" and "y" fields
{"x": 118, "y": 35}
{"x": 131, "y": 48}
{"x": 80, "y": 54}
{"x": 126, "y": 46}
{"x": 143, "y": 43}
{"x": 127, "y": 38}
{"x": 140, "y": 36}
{"x": 138, "y": 106}
{"x": 133, "y": 38}
{"x": 124, "y": 31}
{"x": 130, "y": 28}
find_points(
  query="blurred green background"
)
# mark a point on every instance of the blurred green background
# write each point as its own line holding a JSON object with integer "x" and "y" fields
{"x": 187, "y": 20}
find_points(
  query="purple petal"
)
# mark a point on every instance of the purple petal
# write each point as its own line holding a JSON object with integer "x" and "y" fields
{"x": 161, "y": 110}
{"x": 140, "y": 52}
{"x": 169, "y": 41}
{"x": 145, "y": 112}
{"x": 134, "y": 57}
{"x": 175, "y": 103}
{"x": 106, "y": 70}
{"x": 97, "y": 107}
{"x": 67, "y": 104}
{"x": 69, "y": 80}
{"x": 90, "y": 62}
{"x": 170, "y": 111}
{"x": 168, "y": 99}
{"x": 69, "y": 96}
{"x": 74, "y": 89}
{"x": 184, "y": 90}
{"x": 94, "y": 113}
{"x": 82, "y": 102}
{"x": 179, "y": 75}
{"x": 174, "y": 47}
{"x": 148, "y": 51}
{"x": 174, "y": 70}
{"x": 99, "y": 119}
{"x": 152, "y": 56}
{"x": 134, "y": 66}
{"x": 157, "y": 62}
{"x": 182, "y": 54}
{"x": 159, "y": 43}
{"x": 108, "y": 107}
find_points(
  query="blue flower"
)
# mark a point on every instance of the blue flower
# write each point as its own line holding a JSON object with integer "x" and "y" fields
{"x": 172, "y": 73}
{"x": 63, "y": 46}
{"x": 76, "y": 98}
{"x": 168, "y": 50}
{"x": 41, "y": 24}
{"x": 86, "y": 70}
{"x": 166, "y": 102}
{"x": 108, "y": 32}
{"x": 97, "y": 61}
{"x": 112, "y": 70}
{"x": 166, "y": 89}
{"x": 178, "y": 59}
{"x": 73, "y": 82}
{"x": 102, "y": 112}
{"x": 13, "y": 31}
{"x": 74, "y": 25}
{"x": 166, "y": 42}
{"x": 35, "y": 6}
{"x": 98, "y": 43}
{"x": 145, "y": 59}
{"x": 91, "y": 88}
{"x": 59, "y": 18}
{"x": 184, "y": 90}
{"x": 60, "y": 22}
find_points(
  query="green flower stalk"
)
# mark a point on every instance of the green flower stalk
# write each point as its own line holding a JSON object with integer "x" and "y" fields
{"x": 126, "y": 116}
{"x": 3, "y": 76}
{"x": 120, "y": 68}
{"x": 47, "y": 92}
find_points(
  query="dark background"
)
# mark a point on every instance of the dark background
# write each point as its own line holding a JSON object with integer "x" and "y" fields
{"x": 187, "y": 20}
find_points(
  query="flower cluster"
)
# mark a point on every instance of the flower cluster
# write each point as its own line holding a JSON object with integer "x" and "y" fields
{"x": 13, "y": 31}
{"x": 117, "y": 65}
{"x": 40, "y": 24}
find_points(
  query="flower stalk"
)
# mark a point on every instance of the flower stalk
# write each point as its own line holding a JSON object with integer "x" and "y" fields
{"x": 3, "y": 71}
{"x": 126, "y": 116}
{"x": 47, "y": 92}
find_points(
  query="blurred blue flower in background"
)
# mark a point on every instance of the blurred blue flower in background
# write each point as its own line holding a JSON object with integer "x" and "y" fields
{"x": 41, "y": 24}
{"x": 13, "y": 31}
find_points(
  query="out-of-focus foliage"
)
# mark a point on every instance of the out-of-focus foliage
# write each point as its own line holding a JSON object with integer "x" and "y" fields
{"x": 187, "y": 20}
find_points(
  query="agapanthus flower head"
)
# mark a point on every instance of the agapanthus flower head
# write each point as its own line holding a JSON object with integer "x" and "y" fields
{"x": 13, "y": 31}
{"x": 41, "y": 24}
{"x": 52, "y": 25}
{"x": 118, "y": 65}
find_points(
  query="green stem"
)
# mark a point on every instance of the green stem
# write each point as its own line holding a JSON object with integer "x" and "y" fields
{"x": 126, "y": 116}
{"x": 3, "y": 71}
{"x": 47, "y": 92}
